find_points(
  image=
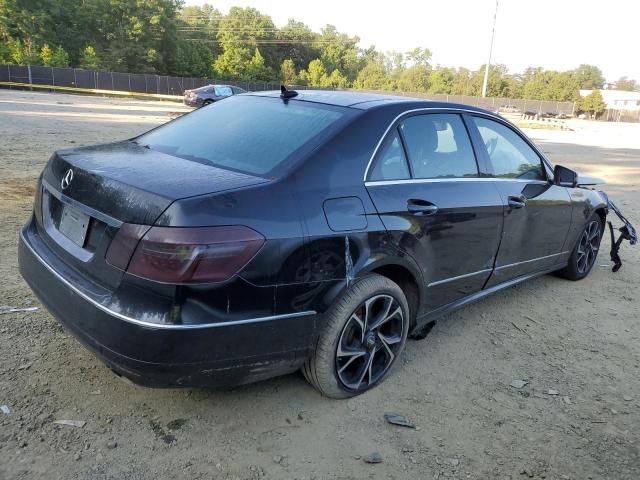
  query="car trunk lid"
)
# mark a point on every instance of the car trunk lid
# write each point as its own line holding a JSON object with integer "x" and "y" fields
{"x": 88, "y": 193}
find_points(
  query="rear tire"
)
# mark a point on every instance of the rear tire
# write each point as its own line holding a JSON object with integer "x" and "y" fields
{"x": 364, "y": 333}
{"x": 585, "y": 252}
{"x": 207, "y": 102}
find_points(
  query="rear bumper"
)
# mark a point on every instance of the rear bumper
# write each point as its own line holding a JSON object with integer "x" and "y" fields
{"x": 167, "y": 355}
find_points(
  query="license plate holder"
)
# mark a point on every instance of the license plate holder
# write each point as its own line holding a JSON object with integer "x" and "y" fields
{"x": 74, "y": 225}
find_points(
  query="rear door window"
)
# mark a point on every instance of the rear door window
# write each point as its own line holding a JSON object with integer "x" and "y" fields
{"x": 438, "y": 146}
{"x": 249, "y": 134}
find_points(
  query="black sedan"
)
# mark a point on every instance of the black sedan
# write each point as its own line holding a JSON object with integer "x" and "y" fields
{"x": 208, "y": 94}
{"x": 312, "y": 231}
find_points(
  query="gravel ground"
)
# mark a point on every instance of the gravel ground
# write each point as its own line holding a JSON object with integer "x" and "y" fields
{"x": 579, "y": 339}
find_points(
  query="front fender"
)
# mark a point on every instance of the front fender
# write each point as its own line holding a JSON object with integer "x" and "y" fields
{"x": 585, "y": 202}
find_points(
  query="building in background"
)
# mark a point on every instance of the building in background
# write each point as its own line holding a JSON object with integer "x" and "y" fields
{"x": 622, "y": 105}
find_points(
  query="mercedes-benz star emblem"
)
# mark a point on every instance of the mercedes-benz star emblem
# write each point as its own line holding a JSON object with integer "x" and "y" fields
{"x": 66, "y": 180}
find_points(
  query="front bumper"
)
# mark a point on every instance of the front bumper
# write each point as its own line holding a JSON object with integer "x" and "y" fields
{"x": 190, "y": 101}
{"x": 166, "y": 355}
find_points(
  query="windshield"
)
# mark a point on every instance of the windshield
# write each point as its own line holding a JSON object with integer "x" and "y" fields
{"x": 244, "y": 133}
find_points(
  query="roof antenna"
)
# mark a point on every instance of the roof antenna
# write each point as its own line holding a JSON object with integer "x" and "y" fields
{"x": 287, "y": 94}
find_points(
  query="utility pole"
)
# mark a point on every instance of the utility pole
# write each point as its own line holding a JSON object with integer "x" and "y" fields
{"x": 486, "y": 68}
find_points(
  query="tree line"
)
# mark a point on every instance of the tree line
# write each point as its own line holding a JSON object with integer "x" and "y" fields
{"x": 167, "y": 38}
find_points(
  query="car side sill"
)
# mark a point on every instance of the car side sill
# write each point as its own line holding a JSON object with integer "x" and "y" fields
{"x": 142, "y": 323}
{"x": 474, "y": 297}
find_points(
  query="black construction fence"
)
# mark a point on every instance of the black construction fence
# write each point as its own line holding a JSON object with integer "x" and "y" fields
{"x": 115, "y": 81}
{"x": 168, "y": 85}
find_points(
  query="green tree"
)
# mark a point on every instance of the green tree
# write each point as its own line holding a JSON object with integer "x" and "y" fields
{"x": 394, "y": 61}
{"x": 337, "y": 80}
{"x": 89, "y": 58}
{"x": 316, "y": 74}
{"x": 339, "y": 51}
{"x": 193, "y": 58}
{"x": 589, "y": 77}
{"x": 297, "y": 42}
{"x": 593, "y": 103}
{"x": 46, "y": 55}
{"x": 200, "y": 24}
{"x": 232, "y": 62}
{"x": 23, "y": 53}
{"x": 373, "y": 77}
{"x": 135, "y": 35}
{"x": 60, "y": 58}
{"x": 462, "y": 82}
{"x": 419, "y": 56}
{"x": 257, "y": 70}
{"x": 241, "y": 31}
{"x": 541, "y": 84}
{"x": 414, "y": 79}
{"x": 626, "y": 83}
{"x": 497, "y": 84}
{"x": 288, "y": 74}
{"x": 441, "y": 81}
{"x": 5, "y": 53}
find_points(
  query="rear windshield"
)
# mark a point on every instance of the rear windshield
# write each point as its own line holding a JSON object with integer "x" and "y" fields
{"x": 249, "y": 134}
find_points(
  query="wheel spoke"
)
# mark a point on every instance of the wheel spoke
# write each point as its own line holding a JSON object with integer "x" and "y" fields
{"x": 581, "y": 263}
{"x": 350, "y": 352}
{"x": 389, "y": 339}
{"x": 366, "y": 369}
{"x": 386, "y": 346}
{"x": 354, "y": 357}
{"x": 367, "y": 311}
{"x": 360, "y": 323}
{"x": 388, "y": 316}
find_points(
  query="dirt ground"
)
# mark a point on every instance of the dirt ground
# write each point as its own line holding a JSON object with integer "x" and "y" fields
{"x": 580, "y": 339}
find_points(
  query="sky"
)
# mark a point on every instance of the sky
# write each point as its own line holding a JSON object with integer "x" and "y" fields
{"x": 554, "y": 34}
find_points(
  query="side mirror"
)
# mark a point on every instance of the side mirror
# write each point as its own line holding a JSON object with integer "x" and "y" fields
{"x": 565, "y": 177}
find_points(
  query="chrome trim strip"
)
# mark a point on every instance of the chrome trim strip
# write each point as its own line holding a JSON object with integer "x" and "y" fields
{"x": 452, "y": 110}
{"x": 532, "y": 260}
{"x": 157, "y": 325}
{"x": 103, "y": 217}
{"x": 466, "y": 275}
{"x": 372, "y": 183}
{"x": 459, "y": 277}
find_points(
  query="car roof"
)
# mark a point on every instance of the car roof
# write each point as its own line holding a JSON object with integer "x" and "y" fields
{"x": 363, "y": 100}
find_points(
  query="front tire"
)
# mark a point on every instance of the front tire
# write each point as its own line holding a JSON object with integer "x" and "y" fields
{"x": 585, "y": 252}
{"x": 364, "y": 333}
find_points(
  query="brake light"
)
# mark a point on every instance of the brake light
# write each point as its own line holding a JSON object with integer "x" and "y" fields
{"x": 124, "y": 243}
{"x": 191, "y": 255}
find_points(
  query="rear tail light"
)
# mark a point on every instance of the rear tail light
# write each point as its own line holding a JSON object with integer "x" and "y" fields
{"x": 124, "y": 243}
{"x": 186, "y": 255}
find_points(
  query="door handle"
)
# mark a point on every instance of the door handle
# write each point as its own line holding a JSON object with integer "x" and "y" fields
{"x": 421, "y": 207}
{"x": 517, "y": 201}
